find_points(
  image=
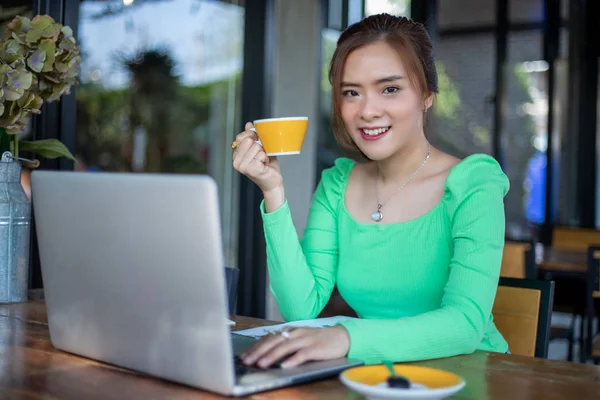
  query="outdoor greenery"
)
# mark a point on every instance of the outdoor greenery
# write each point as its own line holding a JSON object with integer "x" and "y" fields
{"x": 155, "y": 101}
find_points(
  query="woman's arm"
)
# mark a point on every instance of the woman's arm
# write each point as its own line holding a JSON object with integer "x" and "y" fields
{"x": 303, "y": 273}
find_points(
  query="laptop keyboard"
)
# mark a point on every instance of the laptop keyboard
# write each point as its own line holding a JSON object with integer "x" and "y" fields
{"x": 243, "y": 369}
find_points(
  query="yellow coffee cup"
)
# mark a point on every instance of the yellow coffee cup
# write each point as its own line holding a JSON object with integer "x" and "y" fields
{"x": 281, "y": 136}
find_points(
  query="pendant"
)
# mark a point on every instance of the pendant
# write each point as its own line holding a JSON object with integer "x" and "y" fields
{"x": 377, "y": 216}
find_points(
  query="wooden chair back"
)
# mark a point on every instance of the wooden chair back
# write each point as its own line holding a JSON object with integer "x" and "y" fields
{"x": 522, "y": 312}
{"x": 517, "y": 260}
{"x": 574, "y": 239}
{"x": 337, "y": 306}
{"x": 592, "y": 340}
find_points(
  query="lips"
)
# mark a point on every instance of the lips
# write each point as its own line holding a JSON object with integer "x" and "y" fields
{"x": 374, "y": 133}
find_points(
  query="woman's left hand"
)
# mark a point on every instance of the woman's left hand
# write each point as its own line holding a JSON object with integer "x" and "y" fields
{"x": 298, "y": 345}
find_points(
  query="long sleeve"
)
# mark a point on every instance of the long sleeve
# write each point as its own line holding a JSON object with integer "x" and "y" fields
{"x": 303, "y": 273}
{"x": 473, "y": 195}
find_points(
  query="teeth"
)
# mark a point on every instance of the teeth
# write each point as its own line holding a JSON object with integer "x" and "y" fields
{"x": 375, "y": 132}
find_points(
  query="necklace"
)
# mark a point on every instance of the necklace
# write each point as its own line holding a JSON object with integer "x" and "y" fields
{"x": 377, "y": 215}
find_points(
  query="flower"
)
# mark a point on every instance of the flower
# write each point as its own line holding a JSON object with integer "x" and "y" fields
{"x": 39, "y": 61}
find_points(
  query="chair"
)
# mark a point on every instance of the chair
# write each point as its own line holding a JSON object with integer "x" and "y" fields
{"x": 592, "y": 341}
{"x": 337, "y": 306}
{"x": 518, "y": 260}
{"x": 569, "y": 290}
{"x": 231, "y": 283}
{"x": 574, "y": 239}
{"x": 522, "y": 312}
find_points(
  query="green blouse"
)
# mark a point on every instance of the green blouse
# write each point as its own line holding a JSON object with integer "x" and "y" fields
{"x": 423, "y": 288}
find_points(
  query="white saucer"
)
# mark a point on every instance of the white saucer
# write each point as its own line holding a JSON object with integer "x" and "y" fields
{"x": 426, "y": 383}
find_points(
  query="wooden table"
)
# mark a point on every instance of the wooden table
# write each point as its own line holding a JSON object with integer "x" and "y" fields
{"x": 562, "y": 261}
{"x": 30, "y": 368}
{"x": 557, "y": 262}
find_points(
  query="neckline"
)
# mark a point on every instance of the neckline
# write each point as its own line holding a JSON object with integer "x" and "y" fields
{"x": 402, "y": 223}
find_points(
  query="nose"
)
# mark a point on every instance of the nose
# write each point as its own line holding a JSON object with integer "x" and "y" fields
{"x": 371, "y": 109}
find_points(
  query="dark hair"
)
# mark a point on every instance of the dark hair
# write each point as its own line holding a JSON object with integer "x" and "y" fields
{"x": 409, "y": 38}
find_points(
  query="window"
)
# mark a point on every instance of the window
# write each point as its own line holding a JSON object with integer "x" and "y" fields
{"x": 461, "y": 120}
{"x": 524, "y": 133}
{"x": 159, "y": 91}
{"x": 465, "y": 14}
{"x": 393, "y": 7}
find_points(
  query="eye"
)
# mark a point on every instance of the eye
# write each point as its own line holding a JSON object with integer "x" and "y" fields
{"x": 349, "y": 93}
{"x": 391, "y": 90}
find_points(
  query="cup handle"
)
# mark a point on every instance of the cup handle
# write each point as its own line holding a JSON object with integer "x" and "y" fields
{"x": 257, "y": 140}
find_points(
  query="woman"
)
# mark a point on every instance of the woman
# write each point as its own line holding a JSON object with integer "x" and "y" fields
{"x": 412, "y": 237}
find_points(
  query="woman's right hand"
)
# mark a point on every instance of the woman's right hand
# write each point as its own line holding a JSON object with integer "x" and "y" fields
{"x": 250, "y": 159}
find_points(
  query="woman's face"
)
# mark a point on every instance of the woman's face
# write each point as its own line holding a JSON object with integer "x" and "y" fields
{"x": 382, "y": 111}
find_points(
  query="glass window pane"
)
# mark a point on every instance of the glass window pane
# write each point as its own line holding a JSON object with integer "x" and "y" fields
{"x": 525, "y": 132}
{"x": 525, "y": 11}
{"x": 334, "y": 14}
{"x": 328, "y": 149}
{"x": 456, "y": 14}
{"x": 564, "y": 10}
{"x": 461, "y": 120}
{"x": 159, "y": 92}
{"x": 393, "y": 7}
{"x": 598, "y": 150}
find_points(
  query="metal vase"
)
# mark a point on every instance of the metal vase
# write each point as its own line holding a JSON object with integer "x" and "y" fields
{"x": 15, "y": 223}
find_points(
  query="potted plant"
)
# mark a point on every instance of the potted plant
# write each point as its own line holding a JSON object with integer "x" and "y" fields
{"x": 39, "y": 62}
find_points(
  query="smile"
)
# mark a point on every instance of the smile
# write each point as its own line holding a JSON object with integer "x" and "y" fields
{"x": 373, "y": 133}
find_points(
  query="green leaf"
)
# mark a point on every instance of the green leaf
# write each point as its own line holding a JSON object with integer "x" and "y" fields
{"x": 49, "y": 148}
{"x": 1, "y": 109}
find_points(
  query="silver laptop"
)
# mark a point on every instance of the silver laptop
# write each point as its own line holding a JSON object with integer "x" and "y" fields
{"x": 134, "y": 276}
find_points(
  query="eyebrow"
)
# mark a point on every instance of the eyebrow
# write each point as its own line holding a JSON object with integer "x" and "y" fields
{"x": 387, "y": 79}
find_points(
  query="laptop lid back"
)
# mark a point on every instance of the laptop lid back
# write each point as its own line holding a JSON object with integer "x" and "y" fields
{"x": 133, "y": 272}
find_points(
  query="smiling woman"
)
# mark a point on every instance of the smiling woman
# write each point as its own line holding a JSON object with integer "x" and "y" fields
{"x": 411, "y": 237}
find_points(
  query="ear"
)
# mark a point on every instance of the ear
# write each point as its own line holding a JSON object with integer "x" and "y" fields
{"x": 428, "y": 102}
